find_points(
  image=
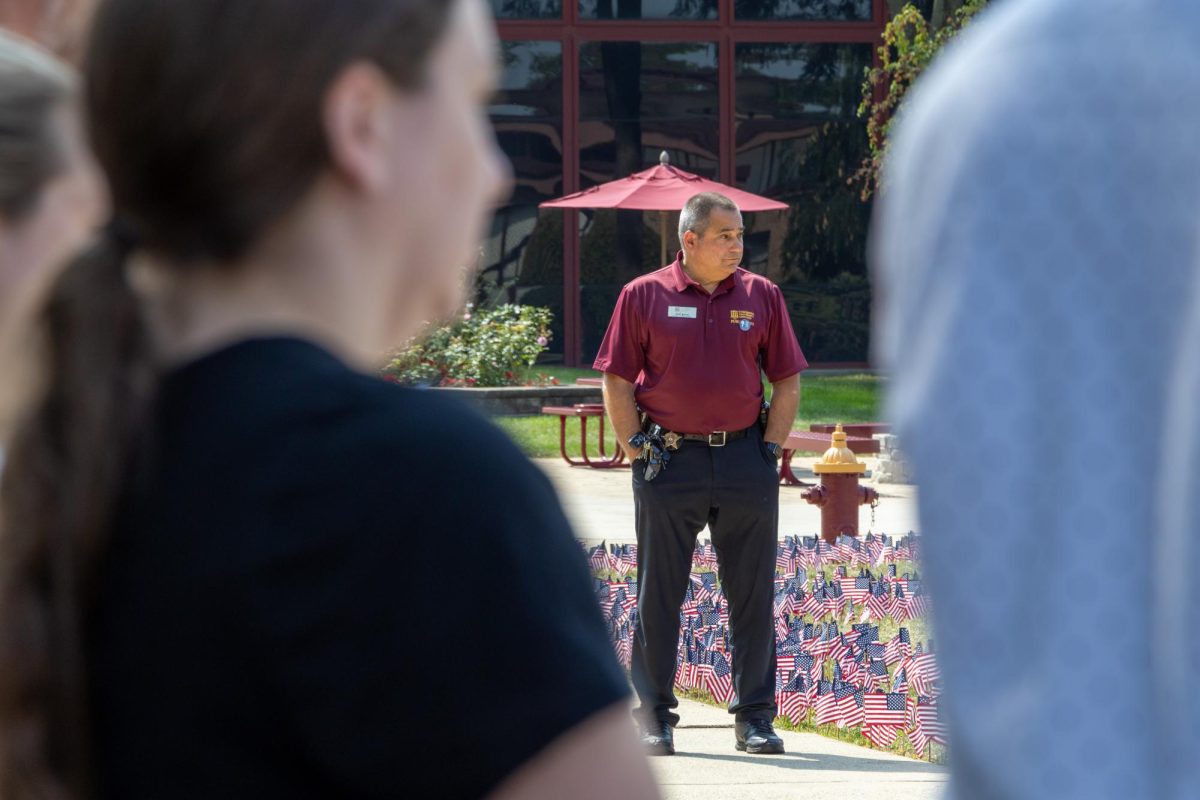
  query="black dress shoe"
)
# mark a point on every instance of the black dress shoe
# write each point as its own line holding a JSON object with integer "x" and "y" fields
{"x": 757, "y": 736}
{"x": 658, "y": 738}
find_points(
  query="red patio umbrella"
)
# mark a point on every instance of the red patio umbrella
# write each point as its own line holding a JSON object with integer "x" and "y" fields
{"x": 662, "y": 188}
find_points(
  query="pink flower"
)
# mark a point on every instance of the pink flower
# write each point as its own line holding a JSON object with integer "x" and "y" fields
{"x": 542, "y": 341}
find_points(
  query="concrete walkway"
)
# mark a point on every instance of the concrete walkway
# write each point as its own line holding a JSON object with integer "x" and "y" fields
{"x": 706, "y": 766}
{"x": 599, "y": 503}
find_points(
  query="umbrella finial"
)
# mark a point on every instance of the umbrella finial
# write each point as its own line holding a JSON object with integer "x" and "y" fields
{"x": 664, "y": 159}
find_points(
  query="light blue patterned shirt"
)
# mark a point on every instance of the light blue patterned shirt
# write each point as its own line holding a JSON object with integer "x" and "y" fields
{"x": 1036, "y": 252}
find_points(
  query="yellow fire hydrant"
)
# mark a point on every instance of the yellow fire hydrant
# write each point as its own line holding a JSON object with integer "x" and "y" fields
{"x": 839, "y": 494}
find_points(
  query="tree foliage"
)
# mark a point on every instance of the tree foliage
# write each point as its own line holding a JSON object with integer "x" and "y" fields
{"x": 910, "y": 43}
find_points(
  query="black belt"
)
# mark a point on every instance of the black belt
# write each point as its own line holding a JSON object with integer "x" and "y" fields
{"x": 714, "y": 439}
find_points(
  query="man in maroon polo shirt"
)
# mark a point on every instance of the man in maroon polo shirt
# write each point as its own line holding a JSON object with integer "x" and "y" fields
{"x": 685, "y": 351}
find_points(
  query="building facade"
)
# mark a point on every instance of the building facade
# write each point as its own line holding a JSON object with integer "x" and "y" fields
{"x": 759, "y": 94}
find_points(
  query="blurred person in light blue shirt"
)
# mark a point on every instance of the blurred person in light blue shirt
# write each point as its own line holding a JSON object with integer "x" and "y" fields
{"x": 1036, "y": 252}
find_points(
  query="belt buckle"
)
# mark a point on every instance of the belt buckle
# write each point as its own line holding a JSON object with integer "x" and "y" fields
{"x": 712, "y": 442}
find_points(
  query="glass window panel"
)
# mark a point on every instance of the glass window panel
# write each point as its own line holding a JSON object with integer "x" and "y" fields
{"x": 527, "y": 9}
{"x": 521, "y": 260}
{"x": 799, "y": 140}
{"x": 844, "y": 10}
{"x": 636, "y": 100}
{"x": 647, "y": 9}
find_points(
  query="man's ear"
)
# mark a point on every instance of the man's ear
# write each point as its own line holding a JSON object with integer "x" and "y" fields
{"x": 358, "y": 126}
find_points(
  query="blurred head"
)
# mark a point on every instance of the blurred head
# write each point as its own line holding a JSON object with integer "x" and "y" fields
{"x": 59, "y": 25}
{"x": 329, "y": 143}
{"x": 363, "y": 117}
{"x": 50, "y": 193}
{"x": 711, "y": 234}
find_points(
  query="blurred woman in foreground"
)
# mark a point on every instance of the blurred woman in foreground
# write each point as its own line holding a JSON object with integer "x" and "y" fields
{"x": 237, "y": 565}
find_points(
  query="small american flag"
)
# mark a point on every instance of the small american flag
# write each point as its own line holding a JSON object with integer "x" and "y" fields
{"x": 882, "y": 736}
{"x": 793, "y": 699}
{"x": 898, "y": 648}
{"x": 814, "y": 605}
{"x": 598, "y": 558}
{"x": 924, "y": 675}
{"x": 867, "y": 633}
{"x": 878, "y": 675}
{"x": 927, "y": 726}
{"x": 879, "y": 602}
{"x": 847, "y": 708}
{"x": 720, "y": 682}
{"x": 806, "y": 664}
{"x": 918, "y": 604}
{"x": 885, "y": 709}
{"x": 825, "y": 706}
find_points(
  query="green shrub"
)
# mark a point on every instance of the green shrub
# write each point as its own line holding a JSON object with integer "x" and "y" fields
{"x": 481, "y": 348}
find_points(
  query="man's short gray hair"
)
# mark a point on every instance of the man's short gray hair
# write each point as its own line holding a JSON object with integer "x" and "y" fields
{"x": 697, "y": 210}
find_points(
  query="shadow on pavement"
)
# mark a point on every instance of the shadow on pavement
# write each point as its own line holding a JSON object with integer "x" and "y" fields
{"x": 802, "y": 761}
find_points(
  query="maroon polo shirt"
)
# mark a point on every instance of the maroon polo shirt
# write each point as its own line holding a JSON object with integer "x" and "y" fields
{"x": 694, "y": 357}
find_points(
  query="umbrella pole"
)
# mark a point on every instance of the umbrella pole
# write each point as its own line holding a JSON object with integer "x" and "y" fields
{"x": 662, "y": 238}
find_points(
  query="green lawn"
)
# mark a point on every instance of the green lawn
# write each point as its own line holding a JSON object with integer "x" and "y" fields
{"x": 565, "y": 375}
{"x": 832, "y": 398}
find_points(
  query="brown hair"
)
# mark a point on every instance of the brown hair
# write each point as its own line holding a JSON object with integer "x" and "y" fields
{"x": 208, "y": 126}
{"x": 32, "y": 86}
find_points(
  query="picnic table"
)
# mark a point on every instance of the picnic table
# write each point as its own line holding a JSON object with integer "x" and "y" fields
{"x": 815, "y": 440}
{"x": 863, "y": 429}
{"x": 583, "y": 412}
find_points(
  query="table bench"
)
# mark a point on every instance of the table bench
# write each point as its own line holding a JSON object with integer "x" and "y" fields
{"x": 816, "y": 442}
{"x": 583, "y": 412}
{"x": 863, "y": 429}
{"x": 589, "y": 381}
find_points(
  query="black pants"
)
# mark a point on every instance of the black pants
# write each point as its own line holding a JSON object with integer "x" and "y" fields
{"x": 735, "y": 491}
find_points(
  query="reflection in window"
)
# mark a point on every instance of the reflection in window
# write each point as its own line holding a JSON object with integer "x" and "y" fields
{"x": 848, "y": 10}
{"x": 636, "y": 100}
{"x": 527, "y": 9}
{"x": 799, "y": 140}
{"x": 648, "y": 9}
{"x": 521, "y": 260}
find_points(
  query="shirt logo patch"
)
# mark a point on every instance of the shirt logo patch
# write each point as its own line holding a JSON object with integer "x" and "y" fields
{"x": 683, "y": 312}
{"x": 743, "y": 319}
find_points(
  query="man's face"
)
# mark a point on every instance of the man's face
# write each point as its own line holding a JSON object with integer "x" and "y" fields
{"x": 716, "y": 253}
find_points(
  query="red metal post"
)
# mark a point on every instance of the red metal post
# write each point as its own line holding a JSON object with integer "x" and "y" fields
{"x": 572, "y": 281}
{"x": 726, "y": 108}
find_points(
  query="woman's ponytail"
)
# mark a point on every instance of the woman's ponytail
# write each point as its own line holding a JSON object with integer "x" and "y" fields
{"x": 63, "y": 481}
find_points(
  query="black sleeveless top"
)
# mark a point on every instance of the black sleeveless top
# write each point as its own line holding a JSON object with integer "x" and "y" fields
{"x": 331, "y": 586}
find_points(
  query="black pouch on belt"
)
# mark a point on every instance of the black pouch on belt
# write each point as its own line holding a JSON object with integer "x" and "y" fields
{"x": 657, "y": 456}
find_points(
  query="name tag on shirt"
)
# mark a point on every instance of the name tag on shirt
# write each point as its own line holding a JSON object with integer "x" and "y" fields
{"x": 686, "y": 312}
